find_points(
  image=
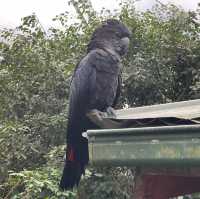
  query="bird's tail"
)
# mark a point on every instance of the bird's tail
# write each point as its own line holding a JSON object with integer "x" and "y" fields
{"x": 72, "y": 172}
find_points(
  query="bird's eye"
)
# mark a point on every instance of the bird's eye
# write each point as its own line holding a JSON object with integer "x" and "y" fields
{"x": 118, "y": 34}
{"x": 125, "y": 41}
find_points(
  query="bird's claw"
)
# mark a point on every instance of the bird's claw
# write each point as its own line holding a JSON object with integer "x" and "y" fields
{"x": 111, "y": 112}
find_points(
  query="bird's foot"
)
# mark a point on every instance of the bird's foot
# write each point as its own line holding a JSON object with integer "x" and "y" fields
{"x": 96, "y": 115}
{"x": 111, "y": 113}
{"x": 102, "y": 119}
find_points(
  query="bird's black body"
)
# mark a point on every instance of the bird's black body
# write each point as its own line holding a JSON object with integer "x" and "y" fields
{"x": 95, "y": 85}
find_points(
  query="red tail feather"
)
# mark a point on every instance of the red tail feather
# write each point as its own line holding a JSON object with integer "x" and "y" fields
{"x": 70, "y": 155}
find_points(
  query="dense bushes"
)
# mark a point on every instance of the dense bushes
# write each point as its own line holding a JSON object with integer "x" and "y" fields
{"x": 163, "y": 65}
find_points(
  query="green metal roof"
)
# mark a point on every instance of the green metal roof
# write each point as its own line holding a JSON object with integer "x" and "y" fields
{"x": 149, "y": 146}
{"x": 185, "y": 110}
{"x": 172, "y": 139}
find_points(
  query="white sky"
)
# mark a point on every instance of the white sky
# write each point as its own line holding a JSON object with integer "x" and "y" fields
{"x": 11, "y": 11}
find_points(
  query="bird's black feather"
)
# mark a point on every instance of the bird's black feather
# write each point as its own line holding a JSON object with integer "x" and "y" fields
{"x": 95, "y": 85}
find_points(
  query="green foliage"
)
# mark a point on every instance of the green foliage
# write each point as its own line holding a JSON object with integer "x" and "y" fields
{"x": 17, "y": 149}
{"x": 42, "y": 182}
{"x": 107, "y": 182}
{"x": 39, "y": 183}
{"x": 163, "y": 65}
{"x": 163, "y": 62}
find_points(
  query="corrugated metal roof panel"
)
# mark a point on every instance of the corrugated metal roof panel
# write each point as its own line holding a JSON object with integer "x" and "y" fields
{"x": 178, "y": 113}
{"x": 184, "y": 110}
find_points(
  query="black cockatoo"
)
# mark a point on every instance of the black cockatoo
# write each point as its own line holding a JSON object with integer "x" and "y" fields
{"x": 95, "y": 86}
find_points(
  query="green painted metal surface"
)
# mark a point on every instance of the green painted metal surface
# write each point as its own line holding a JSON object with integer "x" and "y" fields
{"x": 149, "y": 146}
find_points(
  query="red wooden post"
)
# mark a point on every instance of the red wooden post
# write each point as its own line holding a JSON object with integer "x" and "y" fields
{"x": 163, "y": 186}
